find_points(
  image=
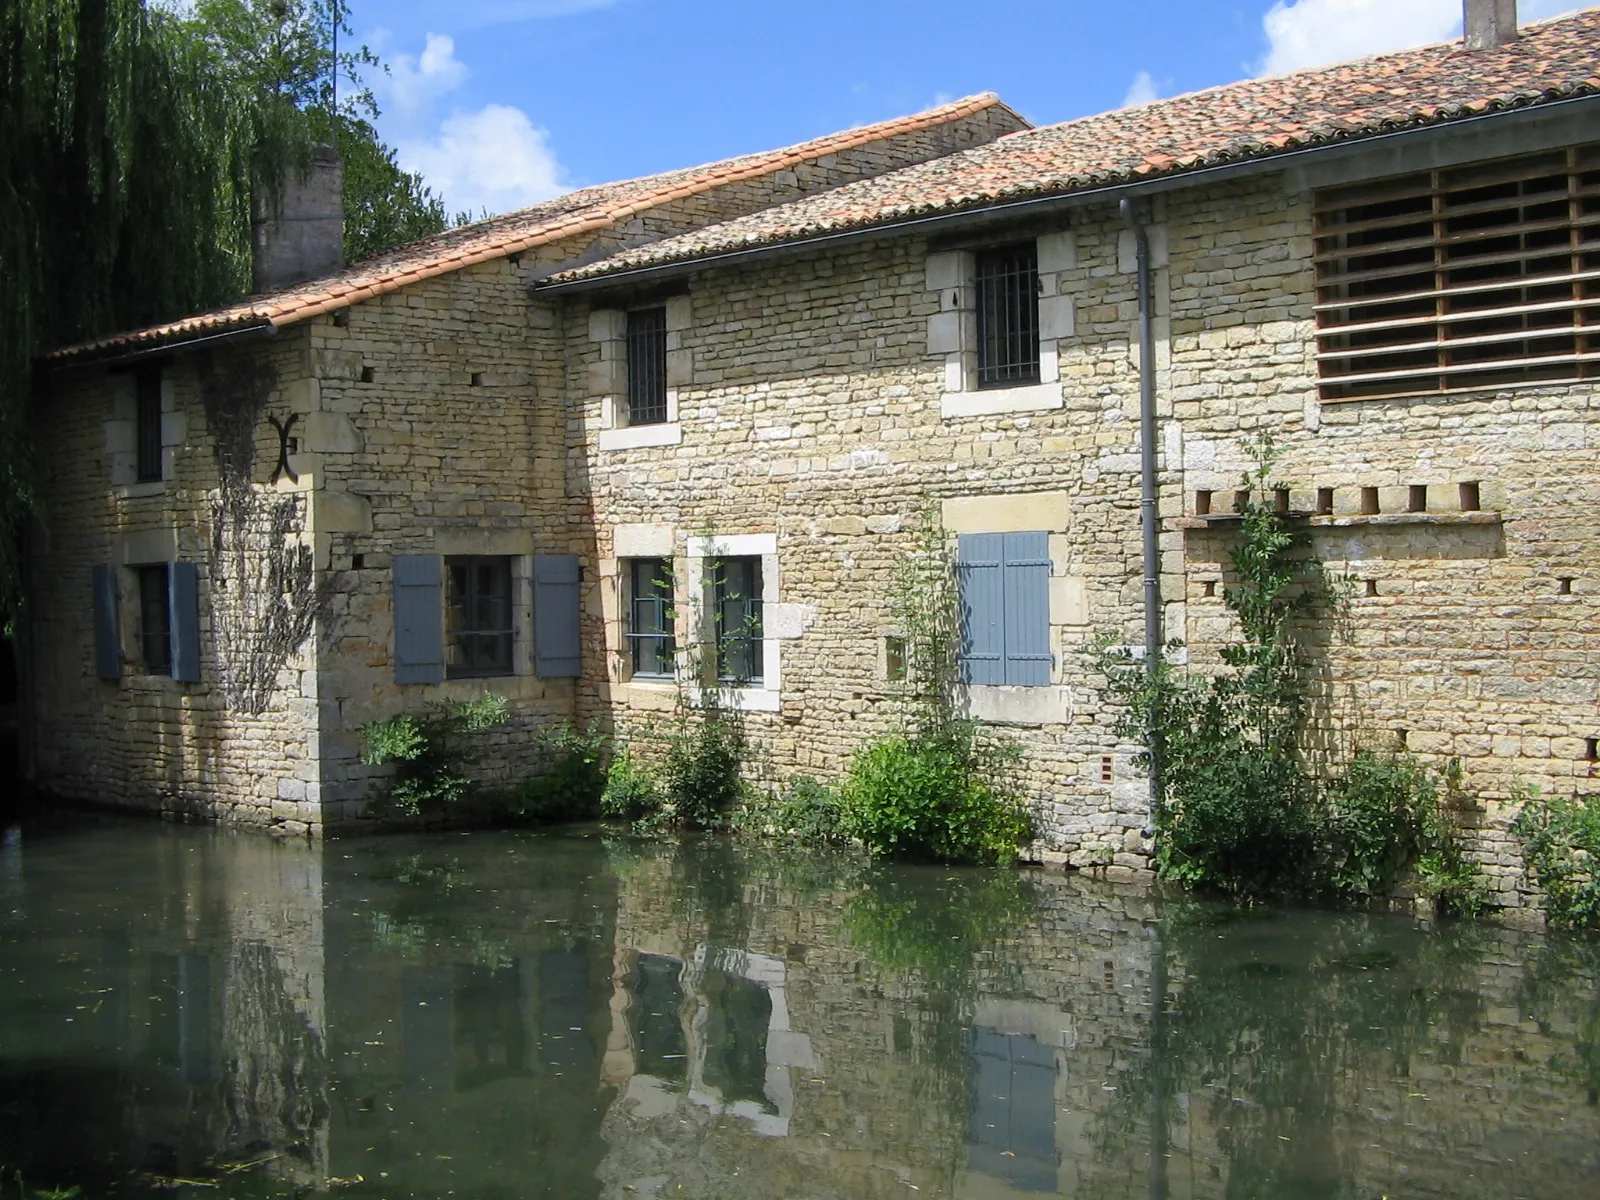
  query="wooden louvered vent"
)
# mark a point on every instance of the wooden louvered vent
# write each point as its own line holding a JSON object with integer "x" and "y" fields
{"x": 1470, "y": 277}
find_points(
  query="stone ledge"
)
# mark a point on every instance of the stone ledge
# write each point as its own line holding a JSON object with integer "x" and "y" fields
{"x": 1345, "y": 521}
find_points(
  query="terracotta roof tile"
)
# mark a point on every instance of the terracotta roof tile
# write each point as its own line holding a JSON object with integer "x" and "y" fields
{"x": 588, "y": 210}
{"x": 1553, "y": 60}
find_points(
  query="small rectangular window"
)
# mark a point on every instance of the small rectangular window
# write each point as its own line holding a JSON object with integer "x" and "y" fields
{"x": 1008, "y": 316}
{"x": 647, "y": 366}
{"x": 651, "y": 644}
{"x": 147, "y": 433}
{"x": 478, "y": 632}
{"x": 737, "y": 611}
{"x": 155, "y": 620}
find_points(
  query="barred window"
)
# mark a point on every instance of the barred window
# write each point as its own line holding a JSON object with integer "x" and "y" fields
{"x": 1008, "y": 316}
{"x": 1468, "y": 277}
{"x": 650, "y": 632}
{"x": 647, "y": 366}
{"x": 478, "y": 615}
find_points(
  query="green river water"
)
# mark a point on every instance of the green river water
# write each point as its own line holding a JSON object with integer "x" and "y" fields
{"x": 196, "y": 1013}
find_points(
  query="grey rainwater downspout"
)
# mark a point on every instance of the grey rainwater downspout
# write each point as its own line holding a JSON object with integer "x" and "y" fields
{"x": 1149, "y": 513}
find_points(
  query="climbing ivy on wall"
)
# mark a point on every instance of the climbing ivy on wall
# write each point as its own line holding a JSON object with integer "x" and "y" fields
{"x": 265, "y": 599}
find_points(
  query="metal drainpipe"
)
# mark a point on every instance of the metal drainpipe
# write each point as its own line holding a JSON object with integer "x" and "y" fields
{"x": 1148, "y": 509}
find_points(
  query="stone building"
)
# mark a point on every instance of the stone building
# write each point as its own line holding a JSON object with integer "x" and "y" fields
{"x": 503, "y": 457}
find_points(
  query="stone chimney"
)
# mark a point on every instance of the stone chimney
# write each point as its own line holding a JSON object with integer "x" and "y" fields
{"x": 1490, "y": 23}
{"x": 304, "y": 237}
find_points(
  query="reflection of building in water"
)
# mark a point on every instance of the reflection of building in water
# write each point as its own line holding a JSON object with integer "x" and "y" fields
{"x": 712, "y": 1029}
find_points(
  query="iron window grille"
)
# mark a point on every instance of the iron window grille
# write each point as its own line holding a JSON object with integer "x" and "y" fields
{"x": 1008, "y": 316}
{"x": 651, "y": 643}
{"x": 737, "y": 611}
{"x": 478, "y": 608}
{"x": 1469, "y": 277}
{"x": 147, "y": 426}
{"x": 155, "y": 620}
{"x": 647, "y": 366}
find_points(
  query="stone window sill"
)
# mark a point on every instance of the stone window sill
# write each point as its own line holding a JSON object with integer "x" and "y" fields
{"x": 134, "y": 491}
{"x": 1000, "y": 704}
{"x": 766, "y": 700}
{"x": 1035, "y": 397}
{"x": 668, "y": 433}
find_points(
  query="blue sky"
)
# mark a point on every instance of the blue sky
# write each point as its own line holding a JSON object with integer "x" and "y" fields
{"x": 501, "y": 103}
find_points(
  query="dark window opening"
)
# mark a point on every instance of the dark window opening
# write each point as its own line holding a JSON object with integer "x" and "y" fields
{"x": 650, "y": 626}
{"x": 147, "y": 416}
{"x": 155, "y": 620}
{"x": 894, "y": 658}
{"x": 1471, "y": 277}
{"x": 647, "y": 366}
{"x": 1008, "y": 316}
{"x": 478, "y": 614}
{"x": 737, "y": 612}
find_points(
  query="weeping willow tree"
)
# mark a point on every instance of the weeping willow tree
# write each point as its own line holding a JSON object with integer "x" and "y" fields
{"x": 135, "y": 134}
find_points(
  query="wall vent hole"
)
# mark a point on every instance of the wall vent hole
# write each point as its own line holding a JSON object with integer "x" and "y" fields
{"x": 1202, "y": 503}
{"x": 1564, "y": 587}
{"x": 894, "y": 658}
{"x": 1369, "y": 500}
{"x": 358, "y": 562}
{"x": 1109, "y": 973}
{"x": 368, "y": 375}
{"x": 1469, "y": 497}
{"x": 1417, "y": 498}
{"x": 1241, "y": 499}
{"x": 1400, "y": 737}
{"x": 1591, "y": 749}
{"x": 1372, "y": 587}
{"x": 1105, "y": 768}
{"x": 1280, "y": 499}
{"x": 1324, "y": 502}
{"x": 1208, "y": 589}
{"x": 477, "y": 379}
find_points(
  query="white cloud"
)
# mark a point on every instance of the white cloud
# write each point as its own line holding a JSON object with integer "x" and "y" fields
{"x": 1142, "y": 90}
{"x": 417, "y": 80}
{"x": 494, "y": 159}
{"x": 1311, "y": 33}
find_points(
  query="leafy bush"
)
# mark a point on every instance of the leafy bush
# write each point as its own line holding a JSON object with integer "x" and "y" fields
{"x": 430, "y": 751}
{"x": 569, "y": 784}
{"x": 701, "y": 775}
{"x": 931, "y": 799}
{"x": 630, "y": 793}
{"x": 1380, "y": 811}
{"x": 807, "y": 811}
{"x": 1561, "y": 843}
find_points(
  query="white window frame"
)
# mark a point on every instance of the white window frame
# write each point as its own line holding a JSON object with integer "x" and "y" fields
{"x": 701, "y": 552}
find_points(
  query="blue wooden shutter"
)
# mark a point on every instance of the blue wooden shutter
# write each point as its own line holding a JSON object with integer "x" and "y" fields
{"x": 418, "y": 619}
{"x": 107, "y": 634}
{"x": 183, "y": 601}
{"x": 1027, "y": 609}
{"x": 980, "y": 556}
{"x": 556, "y": 635}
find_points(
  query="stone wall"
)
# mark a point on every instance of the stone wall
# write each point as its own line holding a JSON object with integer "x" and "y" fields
{"x": 148, "y": 741}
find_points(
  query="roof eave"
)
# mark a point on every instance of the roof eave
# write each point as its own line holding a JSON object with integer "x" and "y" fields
{"x": 117, "y": 354}
{"x": 998, "y": 212}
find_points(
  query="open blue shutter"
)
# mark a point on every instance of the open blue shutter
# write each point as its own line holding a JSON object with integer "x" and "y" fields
{"x": 183, "y": 599}
{"x": 980, "y": 556}
{"x": 418, "y": 619}
{"x": 107, "y": 635}
{"x": 556, "y": 635}
{"x": 1027, "y": 609}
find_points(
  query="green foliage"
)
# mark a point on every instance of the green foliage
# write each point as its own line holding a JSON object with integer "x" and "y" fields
{"x": 1240, "y": 812}
{"x": 926, "y": 798}
{"x": 430, "y": 752}
{"x": 630, "y": 793}
{"x": 136, "y": 136}
{"x": 810, "y": 811}
{"x": 1561, "y": 843}
{"x": 566, "y": 786}
{"x": 700, "y": 778}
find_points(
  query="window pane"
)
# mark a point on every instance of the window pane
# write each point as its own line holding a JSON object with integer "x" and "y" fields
{"x": 650, "y": 630}
{"x": 1008, "y": 316}
{"x": 478, "y": 611}
{"x": 155, "y": 620}
{"x": 647, "y": 366}
{"x": 737, "y": 613}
